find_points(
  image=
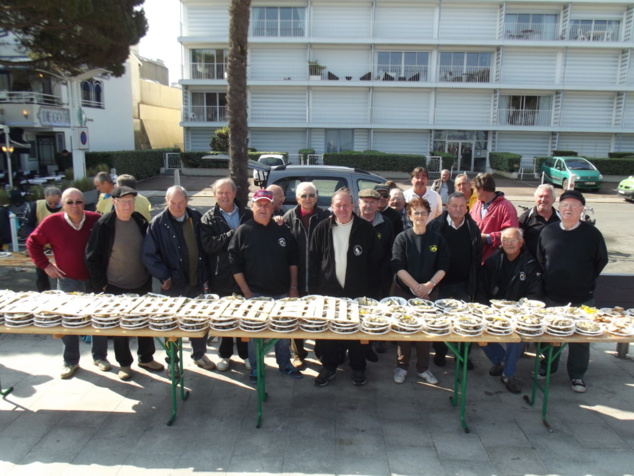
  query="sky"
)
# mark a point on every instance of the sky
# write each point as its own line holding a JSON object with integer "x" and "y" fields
{"x": 160, "y": 42}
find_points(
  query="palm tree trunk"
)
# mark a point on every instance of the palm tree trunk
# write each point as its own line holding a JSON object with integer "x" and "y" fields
{"x": 239, "y": 13}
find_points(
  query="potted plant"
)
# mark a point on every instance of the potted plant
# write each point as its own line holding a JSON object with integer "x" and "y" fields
{"x": 315, "y": 70}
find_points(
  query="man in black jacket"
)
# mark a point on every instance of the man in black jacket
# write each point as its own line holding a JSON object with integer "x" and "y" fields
{"x": 217, "y": 227}
{"x": 113, "y": 259}
{"x": 343, "y": 264}
{"x": 510, "y": 273}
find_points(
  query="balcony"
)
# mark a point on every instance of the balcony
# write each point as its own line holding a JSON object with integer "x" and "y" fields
{"x": 208, "y": 71}
{"x": 29, "y": 97}
{"x": 468, "y": 74}
{"x": 523, "y": 117}
{"x": 205, "y": 114}
{"x": 277, "y": 28}
{"x": 532, "y": 31}
{"x": 594, "y": 32}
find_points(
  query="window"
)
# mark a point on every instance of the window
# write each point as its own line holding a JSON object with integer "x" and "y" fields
{"x": 92, "y": 93}
{"x": 594, "y": 30}
{"x": 339, "y": 140}
{"x": 525, "y": 110}
{"x": 465, "y": 67}
{"x": 531, "y": 26}
{"x": 209, "y": 64}
{"x": 402, "y": 65}
{"x": 277, "y": 21}
{"x": 208, "y": 107}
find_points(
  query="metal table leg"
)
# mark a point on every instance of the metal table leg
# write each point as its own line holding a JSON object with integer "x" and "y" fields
{"x": 6, "y": 392}
{"x": 174, "y": 349}
{"x": 261, "y": 349}
{"x": 550, "y": 354}
{"x": 460, "y": 379}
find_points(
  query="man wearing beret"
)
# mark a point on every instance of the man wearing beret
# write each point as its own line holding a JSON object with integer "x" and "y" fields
{"x": 572, "y": 254}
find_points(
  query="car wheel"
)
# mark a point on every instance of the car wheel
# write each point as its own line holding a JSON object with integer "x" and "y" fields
{"x": 564, "y": 184}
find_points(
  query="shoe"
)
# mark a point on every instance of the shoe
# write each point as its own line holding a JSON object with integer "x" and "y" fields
{"x": 103, "y": 364}
{"x": 205, "y": 363}
{"x": 224, "y": 364}
{"x": 381, "y": 347}
{"x": 292, "y": 373}
{"x": 440, "y": 360}
{"x": 358, "y": 377}
{"x": 87, "y": 339}
{"x": 177, "y": 372}
{"x": 253, "y": 376}
{"x": 68, "y": 370}
{"x": 370, "y": 355}
{"x": 247, "y": 364}
{"x": 125, "y": 372}
{"x": 298, "y": 363}
{"x": 470, "y": 365}
{"x": 428, "y": 377}
{"x": 511, "y": 384}
{"x": 578, "y": 385}
{"x": 541, "y": 374}
{"x": 496, "y": 370}
{"x": 152, "y": 365}
{"x": 324, "y": 377}
{"x": 399, "y": 375}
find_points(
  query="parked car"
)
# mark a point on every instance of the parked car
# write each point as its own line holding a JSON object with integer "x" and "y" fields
{"x": 272, "y": 159}
{"x": 626, "y": 188}
{"x": 560, "y": 170}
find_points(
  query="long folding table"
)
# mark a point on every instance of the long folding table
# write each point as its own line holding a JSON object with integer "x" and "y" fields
{"x": 171, "y": 341}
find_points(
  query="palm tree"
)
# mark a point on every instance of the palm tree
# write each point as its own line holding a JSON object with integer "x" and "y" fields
{"x": 237, "y": 96}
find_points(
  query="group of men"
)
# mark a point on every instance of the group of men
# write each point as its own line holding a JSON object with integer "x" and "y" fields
{"x": 346, "y": 251}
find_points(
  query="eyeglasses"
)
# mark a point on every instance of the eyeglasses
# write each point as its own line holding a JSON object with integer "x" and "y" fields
{"x": 510, "y": 242}
{"x": 75, "y": 202}
{"x": 308, "y": 195}
{"x": 420, "y": 214}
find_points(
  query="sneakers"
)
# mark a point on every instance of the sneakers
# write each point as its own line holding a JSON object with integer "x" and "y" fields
{"x": 578, "y": 385}
{"x": 205, "y": 363}
{"x": 511, "y": 384}
{"x": 358, "y": 377}
{"x": 399, "y": 375}
{"x": 68, "y": 370}
{"x": 224, "y": 364}
{"x": 292, "y": 372}
{"x": 152, "y": 365}
{"x": 298, "y": 363}
{"x": 496, "y": 369}
{"x": 440, "y": 360}
{"x": 247, "y": 364}
{"x": 177, "y": 372}
{"x": 541, "y": 375}
{"x": 102, "y": 364}
{"x": 253, "y": 376}
{"x": 324, "y": 377}
{"x": 125, "y": 373}
{"x": 428, "y": 377}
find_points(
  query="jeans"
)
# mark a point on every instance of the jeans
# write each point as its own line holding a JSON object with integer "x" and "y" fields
{"x": 282, "y": 347}
{"x": 71, "y": 343}
{"x": 496, "y": 354}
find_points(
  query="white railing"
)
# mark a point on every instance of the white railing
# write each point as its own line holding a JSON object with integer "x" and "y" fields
{"x": 531, "y": 31}
{"x": 277, "y": 28}
{"x": 172, "y": 160}
{"x": 208, "y": 71}
{"x": 205, "y": 114}
{"x": 29, "y": 97}
{"x": 467, "y": 74}
{"x": 524, "y": 117}
{"x": 593, "y": 32}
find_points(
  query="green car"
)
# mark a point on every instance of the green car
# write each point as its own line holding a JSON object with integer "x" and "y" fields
{"x": 559, "y": 170}
{"x": 626, "y": 188}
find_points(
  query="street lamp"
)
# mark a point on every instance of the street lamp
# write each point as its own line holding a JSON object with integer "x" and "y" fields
{"x": 7, "y": 148}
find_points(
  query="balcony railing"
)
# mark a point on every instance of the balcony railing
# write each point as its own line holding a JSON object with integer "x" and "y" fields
{"x": 29, "y": 97}
{"x": 208, "y": 71}
{"x": 277, "y": 28}
{"x": 594, "y": 33}
{"x": 524, "y": 117}
{"x": 532, "y": 31}
{"x": 468, "y": 74}
{"x": 205, "y": 114}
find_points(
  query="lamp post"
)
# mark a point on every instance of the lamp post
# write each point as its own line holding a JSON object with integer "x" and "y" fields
{"x": 7, "y": 148}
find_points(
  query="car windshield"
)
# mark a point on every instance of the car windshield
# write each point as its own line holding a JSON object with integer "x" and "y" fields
{"x": 578, "y": 164}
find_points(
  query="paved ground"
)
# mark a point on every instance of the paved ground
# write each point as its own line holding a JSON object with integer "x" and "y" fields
{"x": 97, "y": 424}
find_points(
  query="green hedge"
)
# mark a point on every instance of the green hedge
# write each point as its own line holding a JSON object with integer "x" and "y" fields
{"x": 139, "y": 163}
{"x": 504, "y": 161}
{"x": 620, "y": 155}
{"x": 448, "y": 160}
{"x": 194, "y": 160}
{"x": 376, "y": 161}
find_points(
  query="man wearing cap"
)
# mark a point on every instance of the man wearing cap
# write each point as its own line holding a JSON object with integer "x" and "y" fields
{"x": 492, "y": 212}
{"x": 67, "y": 234}
{"x": 173, "y": 254}
{"x": 141, "y": 203}
{"x": 419, "y": 178}
{"x": 343, "y": 264}
{"x": 543, "y": 213}
{"x": 104, "y": 185}
{"x": 383, "y": 207}
{"x": 217, "y": 228}
{"x": 263, "y": 259}
{"x": 444, "y": 185}
{"x": 302, "y": 221}
{"x": 572, "y": 254}
{"x": 113, "y": 259}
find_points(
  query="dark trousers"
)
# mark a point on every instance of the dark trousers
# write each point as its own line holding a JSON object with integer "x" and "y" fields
{"x": 333, "y": 354}
{"x": 225, "y": 350}
{"x": 42, "y": 281}
{"x": 146, "y": 348}
{"x": 297, "y": 348}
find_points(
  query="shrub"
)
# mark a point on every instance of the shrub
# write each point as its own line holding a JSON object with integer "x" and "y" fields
{"x": 139, "y": 163}
{"x": 220, "y": 140}
{"x": 381, "y": 161}
{"x": 620, "y": 155}
{"x": 607, "y": 166}
{"x": 504, "y": 161}
{"x": 448, "y": 160}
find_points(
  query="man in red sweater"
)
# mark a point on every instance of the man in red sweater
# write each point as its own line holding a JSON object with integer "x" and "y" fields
{"x": 68, "y": 233}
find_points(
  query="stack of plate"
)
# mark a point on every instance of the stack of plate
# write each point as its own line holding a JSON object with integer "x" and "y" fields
{"x": 224, "y": 323}
{"x": 313, "y": 324}
{"x": 451, "y": 304}
{"x": 374, "y": 324}
{"x": 498, "y": 325}
{"x": 394, "y": 301}
{"x": 468, "y": 326}
{"x": 406, "y": 323}
{"x": 532, "y": 303}
{"x": 367, "y": 302}
{"x": 18, "y": 319}
{"x": 502, "y": 303}
{"x": 588, "y": 328}
{"x": 193, "y": 324}
{"x": 620, "y": 328}
{"x": 283, "y": 324}
{"x": 559, "y": 326}
{"x": 437, "y": 325}
{"x": 421, "y": 304}
{"x": 344, "y": 326}
{"x": 163, "y": 323}
{"x": 46, "y": 319}
{"x": 104, "y": 321}
{"x": 529, "y": 326}
{"x": 74, "y": 322}
{"x": 134, "y": 322}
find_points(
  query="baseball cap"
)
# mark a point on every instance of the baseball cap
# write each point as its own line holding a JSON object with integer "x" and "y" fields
{"x": 382, "y": 187}
{"x": 123, "y": 191}
{"x": 263, "y": 195}
{"x": 573, "y": 194}
{"x": 369, "y": 193}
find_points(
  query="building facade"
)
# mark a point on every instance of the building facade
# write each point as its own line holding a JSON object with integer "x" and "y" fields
{"x": 414, "y": 76}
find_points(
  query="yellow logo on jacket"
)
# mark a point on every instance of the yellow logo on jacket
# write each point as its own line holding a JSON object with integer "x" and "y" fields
{"x": 433, "y": 248}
